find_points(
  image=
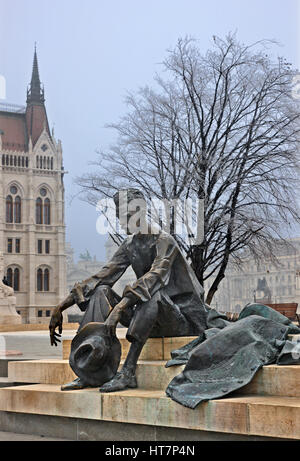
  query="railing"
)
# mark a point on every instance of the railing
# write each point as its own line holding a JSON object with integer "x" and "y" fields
{"x": 12, "y": 160}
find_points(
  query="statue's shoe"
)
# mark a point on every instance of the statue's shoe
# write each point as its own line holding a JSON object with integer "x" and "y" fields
{"x": 120, "y": 382}
{"x": 76, "y": 384}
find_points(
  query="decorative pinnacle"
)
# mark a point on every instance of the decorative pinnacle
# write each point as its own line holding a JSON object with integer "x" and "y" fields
{"x": 35, "y": 93}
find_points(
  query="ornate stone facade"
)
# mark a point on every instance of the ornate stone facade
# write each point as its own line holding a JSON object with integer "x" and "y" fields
{"x": 84, "y": 268}
{"x": 32, "y": 228}
{"x": 76, "y": 272}
{"x": 275, "y": 283}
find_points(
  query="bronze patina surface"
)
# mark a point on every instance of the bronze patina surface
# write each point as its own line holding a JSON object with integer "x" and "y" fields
{"x": 167, "y": 300}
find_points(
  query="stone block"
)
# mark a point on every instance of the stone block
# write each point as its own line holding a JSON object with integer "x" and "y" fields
{"x": 273, "y": 416}
{"x": 278, "y": 380}
{"x": 259, "y": 416}
{"x": 152, "y": 375}
{"x": 50, "y": 371}
{"x": 43, "y": 425}
{"x": 44, "y": 399}
{"x": 5, "y": 328}
{"x": 8, "y": 314}
{"x": 171, "y": 344}
{"x": 154, "y": 349}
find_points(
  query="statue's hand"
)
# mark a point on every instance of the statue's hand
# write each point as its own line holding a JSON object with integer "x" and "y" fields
{"x": 77, "y": 292}
{"x": 56, "y": 321}
{"x": 115, "y": 312}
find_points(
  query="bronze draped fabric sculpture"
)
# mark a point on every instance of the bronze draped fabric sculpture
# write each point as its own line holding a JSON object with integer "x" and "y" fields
{"x": 228, "y": 354}
{"x": 165, "y": 300}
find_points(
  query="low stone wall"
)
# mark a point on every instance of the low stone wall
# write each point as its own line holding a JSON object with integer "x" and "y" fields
{"x": 34, "y": 327}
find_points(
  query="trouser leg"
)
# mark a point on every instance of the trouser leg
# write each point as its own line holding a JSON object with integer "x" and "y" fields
{"x": 140, "y": 327}
{"x": 139, "y": 330}
{"x": 97, "y": 310}
{"x": 98, "y": 307}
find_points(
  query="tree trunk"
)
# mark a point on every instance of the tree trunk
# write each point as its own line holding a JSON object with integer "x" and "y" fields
{"x": 197, "y": 259}
{"x": 214, "y": 288}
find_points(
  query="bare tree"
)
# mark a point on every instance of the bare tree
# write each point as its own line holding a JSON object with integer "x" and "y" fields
{"x": 221, "y": 127}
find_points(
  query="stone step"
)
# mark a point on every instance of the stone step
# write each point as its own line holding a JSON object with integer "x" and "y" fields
{"x": 5, "y": 361}
{"x": 7, "y": 382}
{"x": 152, "y": 375}
{"x": 154, "y": 349}
{"x": 249, "y": 415}
{"x": 34, "y": 327}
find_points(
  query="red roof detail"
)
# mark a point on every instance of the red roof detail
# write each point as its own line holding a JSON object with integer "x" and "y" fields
{"x": 36, "y": 118}
{"x": 14, "y": 135}
{"x": 18, "y": 128}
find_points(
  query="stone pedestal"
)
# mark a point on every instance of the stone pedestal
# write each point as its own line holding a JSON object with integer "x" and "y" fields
{"x": 8, "y": 314}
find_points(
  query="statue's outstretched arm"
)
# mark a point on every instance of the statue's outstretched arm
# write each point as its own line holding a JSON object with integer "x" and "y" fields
{"x": 57, "y": 319}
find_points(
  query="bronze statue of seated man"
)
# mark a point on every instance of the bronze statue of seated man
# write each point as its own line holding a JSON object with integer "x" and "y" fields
{"x": 165, "y": 300}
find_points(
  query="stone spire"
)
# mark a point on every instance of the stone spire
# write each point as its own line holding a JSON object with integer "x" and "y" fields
{"x": 36, "y": 116}
{"x": 35, "y": 92}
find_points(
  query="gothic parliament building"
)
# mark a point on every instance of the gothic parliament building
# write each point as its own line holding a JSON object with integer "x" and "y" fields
{"x": 32, "y": 226}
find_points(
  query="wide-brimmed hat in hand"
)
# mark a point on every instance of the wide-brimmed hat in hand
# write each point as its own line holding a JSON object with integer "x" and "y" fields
{"x": 95, "y": 354}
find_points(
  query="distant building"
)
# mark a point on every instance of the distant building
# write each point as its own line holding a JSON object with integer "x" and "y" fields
{"x": 84, "y": 268}
{"x": 263, "y": 282}
{"x": 32, "y": 227}
{"x": 77, "y": 272}
{"x": 128, "y": 277}
{"x": 88, "y": 266}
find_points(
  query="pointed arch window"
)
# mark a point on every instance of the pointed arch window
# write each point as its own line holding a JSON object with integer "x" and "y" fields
{"x": 39, "y": 210}
{"x": 43, "y": 208}
{"x": 16, "y": 279}
{"x": 9, "y": 276}
{"x": 43, "y": 279}
{"x": 9, "y": 209}
{"x": 47, "y": 219}
{"x": 13, "y": 278}
{"x": 46, "y": 280}
{"x": 13, "y": 206}
{"x": 39, "y": 280}
{"x": 17, "y": 209}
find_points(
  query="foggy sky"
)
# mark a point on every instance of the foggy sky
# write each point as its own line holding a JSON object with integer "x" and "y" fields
{"x": 91, "y": 52}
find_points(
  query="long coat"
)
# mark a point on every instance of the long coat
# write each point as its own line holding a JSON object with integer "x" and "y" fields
{"x": 159, "y": 267}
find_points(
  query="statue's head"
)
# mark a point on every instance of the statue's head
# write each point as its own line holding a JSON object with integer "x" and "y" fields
{"x": 131, "y": 208}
